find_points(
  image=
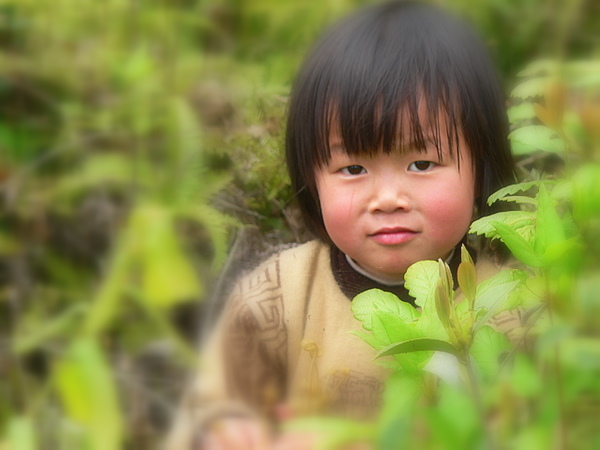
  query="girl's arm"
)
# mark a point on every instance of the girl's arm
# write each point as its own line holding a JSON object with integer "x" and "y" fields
{"x": 241, "y": 374}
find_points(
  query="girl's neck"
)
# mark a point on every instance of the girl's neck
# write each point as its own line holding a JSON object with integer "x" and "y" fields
{"x": 384, "y": 281}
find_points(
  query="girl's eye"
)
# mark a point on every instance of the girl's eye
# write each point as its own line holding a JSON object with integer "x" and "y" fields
{"x": 354, "y": 169}
{"x": 420, "y": 166}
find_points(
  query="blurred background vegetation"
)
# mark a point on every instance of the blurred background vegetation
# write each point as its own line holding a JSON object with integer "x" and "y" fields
{"x": 140, "y": 145}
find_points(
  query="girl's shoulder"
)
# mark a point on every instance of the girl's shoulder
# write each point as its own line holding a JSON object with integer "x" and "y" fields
{"x": 296, "y": 260}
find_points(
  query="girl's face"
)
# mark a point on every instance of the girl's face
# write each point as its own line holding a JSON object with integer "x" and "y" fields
{"x": 389, "y": 211}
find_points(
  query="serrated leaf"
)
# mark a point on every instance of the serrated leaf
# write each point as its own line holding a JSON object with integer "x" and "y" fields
{"x": 549, "y": 229}
{"x": 502, "y": 277}
{"x": 370, "y": 339}
{"x": 517, "y": 220}
{"x": 390, "y": 328}
{"x": 533, "y": 138}
{"x": 538, "y": 67}
{"x": 511, "y": 190}
{"x": 418, "y": 345}
{"x": 518, "y": 246}
{"x": 524, "y": 111}
{"x": 519, "y": 199}
{"x": 367, "y": 302}
{"x": 421, "y": 280}
{"x": 533, "y": 87}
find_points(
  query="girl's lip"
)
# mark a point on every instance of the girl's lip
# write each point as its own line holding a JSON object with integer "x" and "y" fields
{"x": 393, "y": 236}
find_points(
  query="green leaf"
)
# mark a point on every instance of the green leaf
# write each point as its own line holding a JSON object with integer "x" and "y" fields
{"x": 400, "y": 397}
{"x": 500, "y": 278}
{"x": 534, "y": 437}
{"x": 549, "y": 228}
{"x": 107, "y": 300}
{"x": 520, "y": 221}
{"x": 524, "y": 111}
{"x": 421, "y": 280}
{"x": 467, "y": 276}
{"x": 389, "y": 327}
{"x": 533, "y": 138}
{"x": 418, "y": 345}
{"x": 487, "y": 350}
{"x": 167, "y": 274}
{"x": 99, "y": 171}
{"x": 64, "y": 323}
{"x": 586, "y": 193}
{"x": 442, "y": 305}
{"x": 533, "y": 87}
{"x": 524, "y": 378}
{"x": 446, "y": 279}
{"x": 370, "y": 339}
{"x": 366, "y": 303}
{"x": 20, "y": 434}
{"x": 519, "y": 199}
{"x": 539, "y": 67}
{"x": 453, "y": 421}
{"x": 88, "y": 392}
{"x": 519, "y": 247}
{"x": 511, "y": 190}
{"x": 493, "y": 299}
{"x": 581, "y": 352}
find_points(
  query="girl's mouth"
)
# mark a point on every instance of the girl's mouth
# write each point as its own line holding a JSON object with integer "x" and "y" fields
{"x": 393, "y": 236}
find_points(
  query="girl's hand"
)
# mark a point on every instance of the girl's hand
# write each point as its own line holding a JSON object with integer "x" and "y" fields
{"x": 236, "y": 434}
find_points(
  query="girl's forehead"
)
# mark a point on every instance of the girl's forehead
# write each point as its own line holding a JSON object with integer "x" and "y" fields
{"x": 411, "y": 129}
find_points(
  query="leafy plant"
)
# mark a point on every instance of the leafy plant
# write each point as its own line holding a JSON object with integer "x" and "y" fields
{"x": 459, "y": 383}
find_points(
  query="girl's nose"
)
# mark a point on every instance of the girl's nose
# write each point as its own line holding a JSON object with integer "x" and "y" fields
{"x": 390, "y": 196}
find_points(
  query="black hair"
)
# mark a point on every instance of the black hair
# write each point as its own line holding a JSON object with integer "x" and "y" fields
{"x": 367, "y": 77}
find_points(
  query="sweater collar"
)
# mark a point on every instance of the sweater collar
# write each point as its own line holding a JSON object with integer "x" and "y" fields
{"x": 352, "y": 282}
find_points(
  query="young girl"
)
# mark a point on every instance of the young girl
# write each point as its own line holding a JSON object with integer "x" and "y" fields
{"x": 396, "y": 137}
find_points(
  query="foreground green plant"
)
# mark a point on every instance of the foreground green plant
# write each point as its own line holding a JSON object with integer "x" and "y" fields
{"x": 459, "y": 383}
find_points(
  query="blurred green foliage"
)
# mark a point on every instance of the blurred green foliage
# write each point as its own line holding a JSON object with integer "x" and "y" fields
{"x": 135, "y": 136}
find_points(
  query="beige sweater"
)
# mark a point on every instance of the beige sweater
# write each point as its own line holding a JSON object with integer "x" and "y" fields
{"x": 284, "y": 338}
